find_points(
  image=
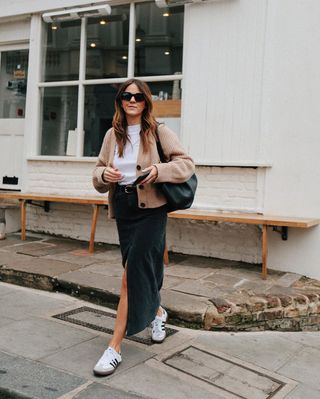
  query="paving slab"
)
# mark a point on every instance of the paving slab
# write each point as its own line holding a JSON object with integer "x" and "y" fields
{"x": 81, "y": 357}
{"x": 13, "y": 239}
{"x": 49, "y": 267}
{"x": 171, "y": 281}
{"x": 106, "y": 268}
{"x": 160, "y": 384}
{"x": 87, "y": 279}
{"x": 268, "y": 350}
{"x": 27, "y": 303}
{"x": 231, "y": 377}
{"x": 6, "y": 256}
{"x": 303, "y": 392}
{"x": 306, "y": 338}
{"x": 35, "y": 338}
{"x": 187, "y": 307}
{"x": 19, "y": 376}
{"x": 77, "y": 258}
{"x": 196, "y": 287}
{"x": 192, "y": 272}
{"x": 304, "y": 366}
{"x": 98, "y": 391}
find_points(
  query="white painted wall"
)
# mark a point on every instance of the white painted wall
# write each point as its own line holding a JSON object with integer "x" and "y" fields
{"x": 291, "y": 123}
{"x": 222, "y": 86}
{"x": 14, "y": 31}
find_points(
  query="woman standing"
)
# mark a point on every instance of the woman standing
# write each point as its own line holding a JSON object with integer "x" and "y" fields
{"x": 129, "y": 150}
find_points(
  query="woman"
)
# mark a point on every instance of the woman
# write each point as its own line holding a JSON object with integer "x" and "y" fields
{"x": 129, "y": 150}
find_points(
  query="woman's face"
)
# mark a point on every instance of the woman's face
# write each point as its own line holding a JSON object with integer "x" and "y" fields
{"x": 133, "y": 108}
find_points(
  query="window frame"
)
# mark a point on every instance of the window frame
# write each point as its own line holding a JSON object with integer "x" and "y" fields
{"x": 82, "y": 82}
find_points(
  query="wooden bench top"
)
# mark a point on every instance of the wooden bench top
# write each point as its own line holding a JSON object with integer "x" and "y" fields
{"x": 54, "y": 198}
{"x": 246, "y": 218}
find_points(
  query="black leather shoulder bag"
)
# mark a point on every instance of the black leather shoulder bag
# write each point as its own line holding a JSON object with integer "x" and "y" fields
{"x": 178, "y": 195}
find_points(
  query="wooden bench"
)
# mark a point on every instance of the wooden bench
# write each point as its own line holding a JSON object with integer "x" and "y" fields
{"x": 32, "y": 198}
{"x": 248, "y": 218}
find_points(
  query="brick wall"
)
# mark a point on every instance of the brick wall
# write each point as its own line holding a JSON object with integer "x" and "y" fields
{"x": 219, "y": 188}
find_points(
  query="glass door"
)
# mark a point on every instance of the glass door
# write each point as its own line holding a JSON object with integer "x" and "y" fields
{"x": 13, "y": 88}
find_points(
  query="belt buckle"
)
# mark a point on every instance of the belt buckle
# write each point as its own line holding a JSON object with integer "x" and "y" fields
{"x": 128, "y": 189}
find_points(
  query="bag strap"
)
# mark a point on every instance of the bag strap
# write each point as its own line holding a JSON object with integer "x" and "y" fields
{"x": 159, "y": 148}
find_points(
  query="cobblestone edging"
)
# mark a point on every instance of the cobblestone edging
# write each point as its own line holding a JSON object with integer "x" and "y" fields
{"x": 299, "y": 312}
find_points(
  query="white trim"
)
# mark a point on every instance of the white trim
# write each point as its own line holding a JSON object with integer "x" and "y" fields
{"x": 253, "y": 164}
{"x": 81, "y": 94}
{"x": 132, "y": 40}
{"x": 59, "y": 84}
{"x": 94, "y": 159}
{"x": 88, "y": 82}
{"x": 53, "y": 158}
{"x": 16, "y": 45}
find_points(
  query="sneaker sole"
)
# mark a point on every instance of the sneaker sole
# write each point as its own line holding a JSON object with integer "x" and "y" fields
{"x": 104, "y": 373}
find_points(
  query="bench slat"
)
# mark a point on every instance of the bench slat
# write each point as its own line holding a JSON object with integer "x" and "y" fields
{"x": 246, "y": 218}
{"x": 55, "y": 198}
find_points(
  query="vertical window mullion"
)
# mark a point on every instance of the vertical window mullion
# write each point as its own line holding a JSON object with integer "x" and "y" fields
{"x": 132, "y": 41}
{"x": 81, "y": 87}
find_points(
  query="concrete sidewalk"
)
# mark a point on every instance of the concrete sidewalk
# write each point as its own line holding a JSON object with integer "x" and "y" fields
{"x": 44, "y": 357}
{"x": 198, "y": 292}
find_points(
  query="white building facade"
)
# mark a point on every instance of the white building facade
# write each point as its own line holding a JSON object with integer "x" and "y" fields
{"x": 238, "y": 80}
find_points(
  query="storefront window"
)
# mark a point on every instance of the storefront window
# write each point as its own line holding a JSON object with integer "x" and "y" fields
{"x": 59, "y": 119}
{"x": 99, "y": 110}
{"x": 61, "y": 52}
{"x": 156, "y": 51}
{"x": 13, "y": 83}
{"x": 107, "y": 45}
{"x": 159, "y": 38}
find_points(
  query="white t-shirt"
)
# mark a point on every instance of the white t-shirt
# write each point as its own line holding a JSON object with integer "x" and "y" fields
{"x": 128, "y": 163}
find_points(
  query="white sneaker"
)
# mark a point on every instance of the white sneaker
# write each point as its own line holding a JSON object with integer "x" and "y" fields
{"x": 158, "y": 333}
{"x": 108, "y": 362}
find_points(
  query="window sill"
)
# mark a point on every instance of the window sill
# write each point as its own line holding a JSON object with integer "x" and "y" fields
{"x": 62, "y": 159}
{"x": 253, "y": 164}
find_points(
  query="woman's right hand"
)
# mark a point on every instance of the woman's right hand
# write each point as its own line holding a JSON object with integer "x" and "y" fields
{"x": 111, "y": 175}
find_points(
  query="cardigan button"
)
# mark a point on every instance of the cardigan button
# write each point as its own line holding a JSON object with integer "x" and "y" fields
{"x": 141, "y": 186}
{"x": 138, "y": 167}
{"x": 142, "y": 205}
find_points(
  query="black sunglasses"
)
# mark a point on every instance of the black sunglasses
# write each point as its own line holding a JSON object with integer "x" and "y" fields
{"x": 126, "y": 96}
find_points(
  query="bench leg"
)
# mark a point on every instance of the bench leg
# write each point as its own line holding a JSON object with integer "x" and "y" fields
{"x": 95, "y": 213}
{"x": 264, "y": 251}
{"x": 166, "y": 255}
{"x": 23, "y": 219}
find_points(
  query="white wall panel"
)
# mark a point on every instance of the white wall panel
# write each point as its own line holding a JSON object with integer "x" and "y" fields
{"x": 14, "y": 31}
{"x": 223, "y": 68}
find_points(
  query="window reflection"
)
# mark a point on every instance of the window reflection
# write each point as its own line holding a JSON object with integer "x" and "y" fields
{"x": 159, "y": 40}
{"x": 61, "y": 51}
{"x": 99, "y": 110}
{"x": 59, "y": 116}
{"x": 13, "y": 83}
{"x": 107, "y": 45}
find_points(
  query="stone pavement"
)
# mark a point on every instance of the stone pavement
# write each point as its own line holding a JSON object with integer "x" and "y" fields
{"x": 199, "y": 292}
{"x": 45, "y": 357}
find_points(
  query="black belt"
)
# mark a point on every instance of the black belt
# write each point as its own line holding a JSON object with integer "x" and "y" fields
{"x": 129, "y": 188}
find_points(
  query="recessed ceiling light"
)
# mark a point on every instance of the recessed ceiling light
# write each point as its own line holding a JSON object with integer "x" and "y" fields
{"x": 166, "y": 14}
{"x": 167, "y": 53}
{"x": 92, "y": 45}
{"x": 124, "y": 57}
{"x": 103, "y": 22}
{"x": 138, "y": 39}
{"x": 54, "y": 27}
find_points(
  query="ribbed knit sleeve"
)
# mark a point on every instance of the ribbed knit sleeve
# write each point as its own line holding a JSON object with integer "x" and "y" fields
{"x": 99, "y": 184}
{"x": 180, "y": 166}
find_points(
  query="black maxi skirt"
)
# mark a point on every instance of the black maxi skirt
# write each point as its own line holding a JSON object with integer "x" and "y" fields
{"x": 142, "y": 242}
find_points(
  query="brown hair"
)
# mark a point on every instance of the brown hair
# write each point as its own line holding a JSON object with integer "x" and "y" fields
{"x": 148, "y": 122}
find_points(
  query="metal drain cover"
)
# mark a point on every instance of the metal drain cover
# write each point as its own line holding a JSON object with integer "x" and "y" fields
{"x": 230, "y": 375}
{"x": 101, "y": 320}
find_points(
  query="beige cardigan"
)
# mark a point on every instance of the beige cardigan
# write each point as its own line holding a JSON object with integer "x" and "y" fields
{"x": 179, "y": 169}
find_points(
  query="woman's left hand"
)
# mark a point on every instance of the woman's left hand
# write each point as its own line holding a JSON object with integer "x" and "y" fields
{"x": 151, "y": 176}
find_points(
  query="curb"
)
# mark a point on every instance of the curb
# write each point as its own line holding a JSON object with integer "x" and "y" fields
{"x": 299, "y": 312}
